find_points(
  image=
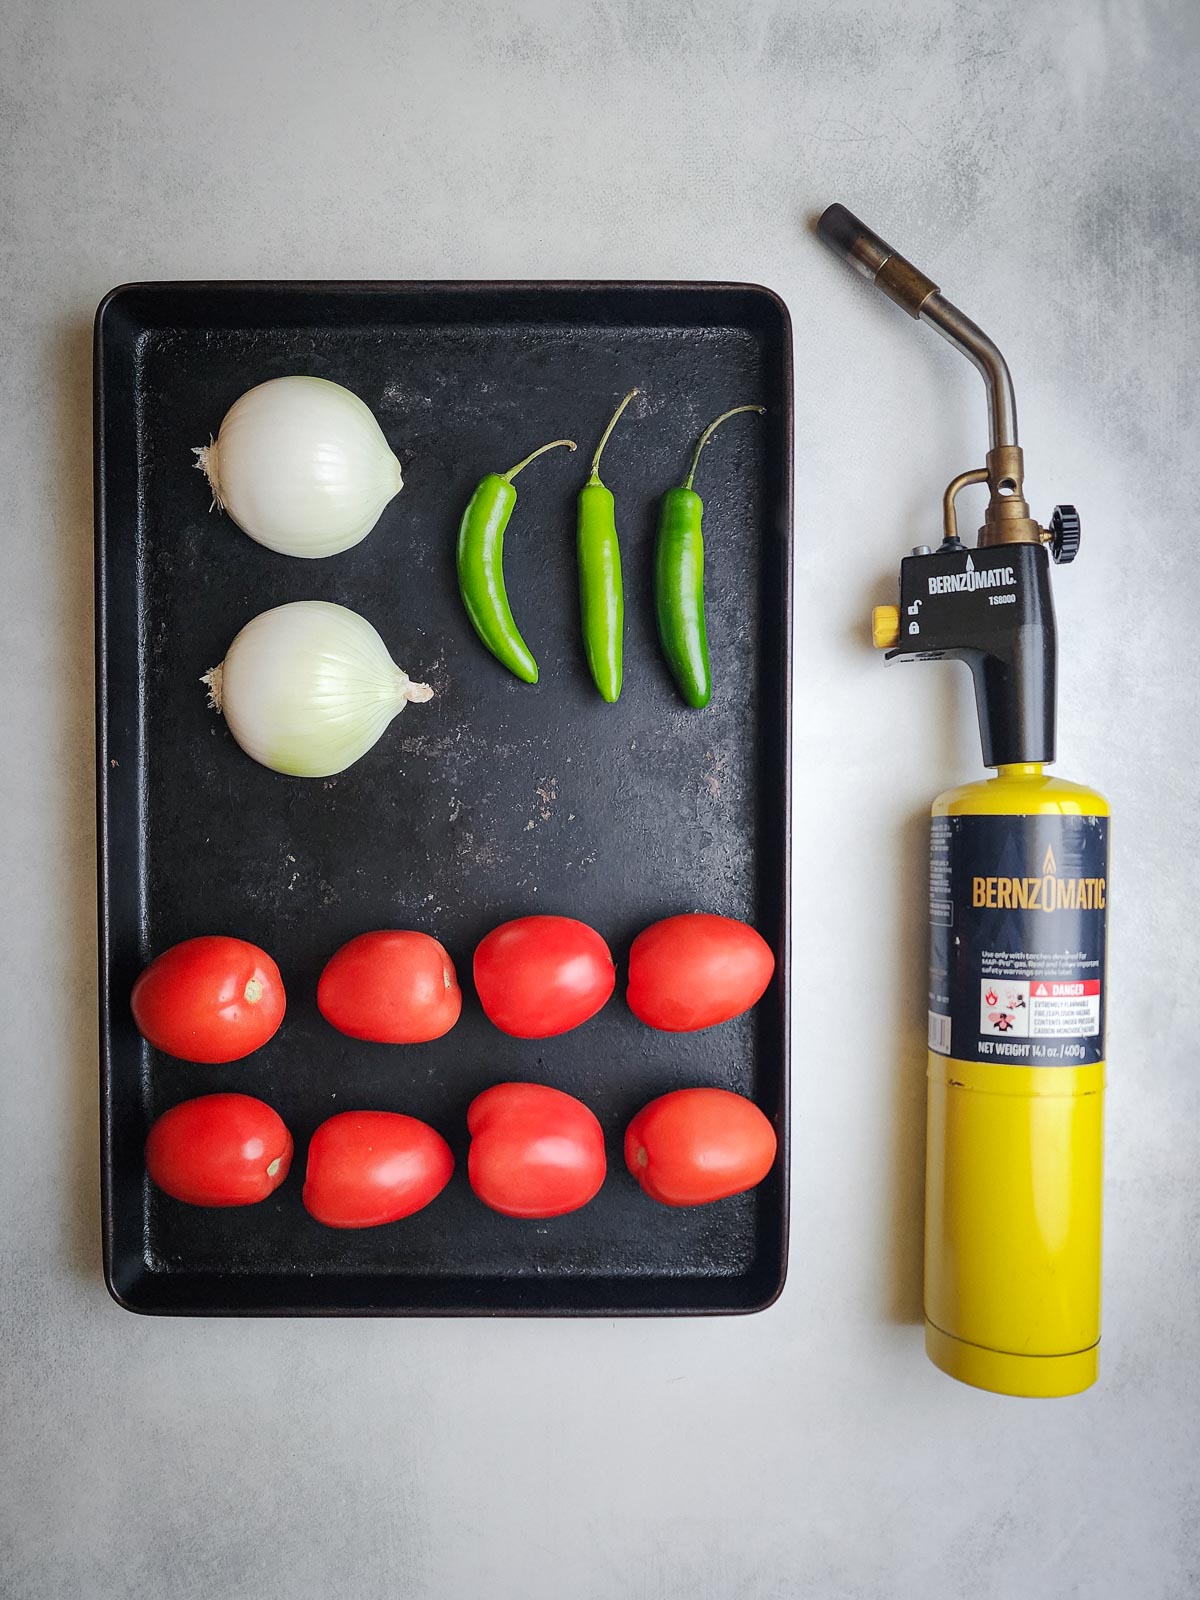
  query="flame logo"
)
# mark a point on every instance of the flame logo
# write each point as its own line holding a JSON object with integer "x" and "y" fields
{"x": 990, "y": 997}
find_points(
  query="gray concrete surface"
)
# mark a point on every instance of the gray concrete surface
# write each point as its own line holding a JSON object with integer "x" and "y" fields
{"x": 1041, "y": 161}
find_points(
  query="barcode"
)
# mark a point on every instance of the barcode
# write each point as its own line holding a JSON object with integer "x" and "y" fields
{"x": 939, "y": 1033}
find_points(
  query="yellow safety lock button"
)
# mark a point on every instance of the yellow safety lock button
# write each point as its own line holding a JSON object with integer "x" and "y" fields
{"x": 885, "y": 627}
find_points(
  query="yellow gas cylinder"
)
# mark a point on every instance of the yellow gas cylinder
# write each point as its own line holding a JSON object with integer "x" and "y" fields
{"x": 1014, "y": 1154}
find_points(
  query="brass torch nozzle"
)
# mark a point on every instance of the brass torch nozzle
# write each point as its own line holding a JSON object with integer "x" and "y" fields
{"x": 875, "y": 259}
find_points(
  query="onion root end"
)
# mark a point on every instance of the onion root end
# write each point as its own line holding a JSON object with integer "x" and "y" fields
{"x": 418, "y": 693}
{"x": 212, "y": 682}
{"x": 207, "y": 462}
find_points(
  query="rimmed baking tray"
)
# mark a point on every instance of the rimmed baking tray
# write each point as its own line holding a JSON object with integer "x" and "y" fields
{"x": 493, "y": 800}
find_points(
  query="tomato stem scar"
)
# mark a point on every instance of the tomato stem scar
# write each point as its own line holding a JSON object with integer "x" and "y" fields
{"x": 253, "y": 991}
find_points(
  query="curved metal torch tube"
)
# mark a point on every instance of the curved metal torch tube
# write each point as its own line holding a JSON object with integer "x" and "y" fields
{"x": 870, "y": 255}
{"x": 984, "y": 355}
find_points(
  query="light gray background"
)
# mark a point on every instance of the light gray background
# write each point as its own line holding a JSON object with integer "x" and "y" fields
{"x": 1041, "y": 162}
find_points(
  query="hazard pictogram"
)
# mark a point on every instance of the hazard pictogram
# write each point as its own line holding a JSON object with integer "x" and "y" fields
{"x": 1004, "y": 1009}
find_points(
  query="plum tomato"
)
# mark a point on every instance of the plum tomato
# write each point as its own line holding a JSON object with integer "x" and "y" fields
{"x": 694, "y": 971}
{"x": 366, "y": 1168}
{"x": 539, "y": 976}
{"x": 219, "y": 1150}
{"x": 694, "y": 1146}
{"x": 392, "y": 987}
{"x": 210, "y": 999}
{"x": 535, "y": 1151}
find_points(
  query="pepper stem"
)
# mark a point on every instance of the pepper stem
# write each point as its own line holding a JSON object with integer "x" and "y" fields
{"x": 604, "y": 437}
{"x": 521, "y": 465}
{"x": 708, "y": 433}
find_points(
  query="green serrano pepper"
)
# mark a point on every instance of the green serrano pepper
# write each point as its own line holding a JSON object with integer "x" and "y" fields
{"x": 601, "y": 597}
{"x": 679, "y": 579}
{"x": 481, "y": 566}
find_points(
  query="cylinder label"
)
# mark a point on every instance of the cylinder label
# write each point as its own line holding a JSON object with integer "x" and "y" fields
{"x": 1017, "y": 918}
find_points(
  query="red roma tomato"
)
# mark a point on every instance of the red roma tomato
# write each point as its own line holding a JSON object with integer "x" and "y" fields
{"x": 394, "y": 988}
{"x": 698, "y": 1145}
{"x": 535, "y": 1152}
{"x": 370, "y": 1167}
{"x": 219, "y": 1150}
{"x": 539, "y": 976}
{"x": 210, "y": 999}
{"x": 694, "y": 971}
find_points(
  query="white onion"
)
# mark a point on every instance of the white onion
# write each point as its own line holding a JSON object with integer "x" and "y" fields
{"x": 309, "y": 687}
{"x": 302, "y": 466}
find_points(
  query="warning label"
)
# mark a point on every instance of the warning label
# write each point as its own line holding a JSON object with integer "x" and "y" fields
{"x": 1065, "y": 1010}
{"x": 1017, "y": 934}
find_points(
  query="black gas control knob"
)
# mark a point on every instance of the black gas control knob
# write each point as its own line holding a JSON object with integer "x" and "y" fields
{"x": 1064, "y": 534}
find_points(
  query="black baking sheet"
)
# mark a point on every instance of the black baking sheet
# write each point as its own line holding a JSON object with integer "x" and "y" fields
{"x": 494, "y": 800}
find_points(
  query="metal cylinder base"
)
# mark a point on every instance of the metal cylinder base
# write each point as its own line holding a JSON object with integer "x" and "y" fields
{"x": 1035, "y": 1377}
